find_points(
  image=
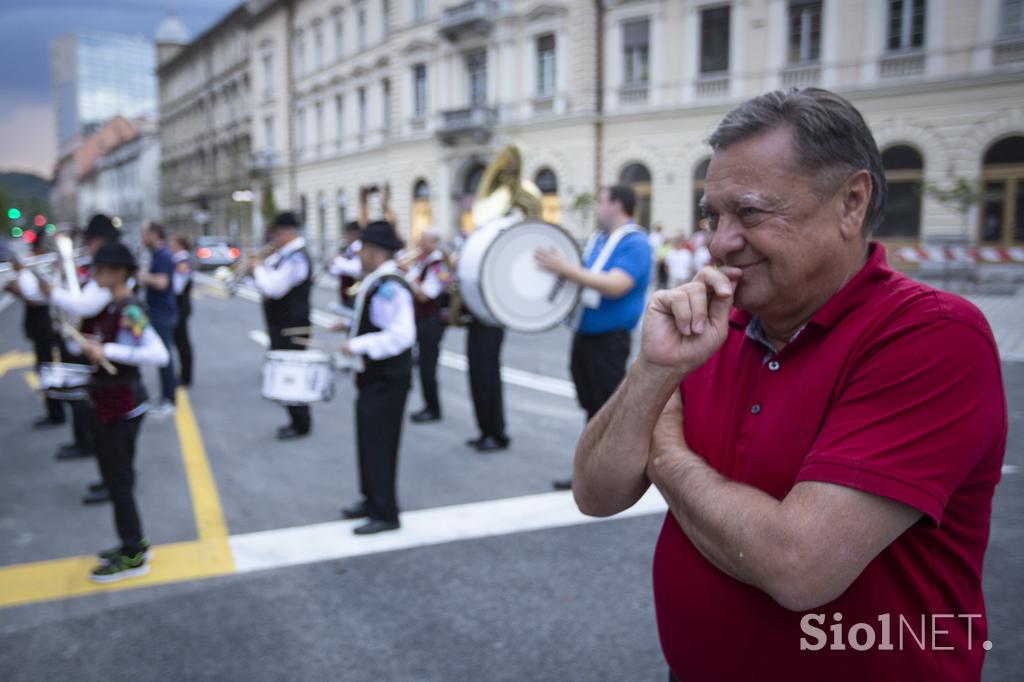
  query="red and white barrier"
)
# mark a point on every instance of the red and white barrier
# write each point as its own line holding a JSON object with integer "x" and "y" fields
{"x": 960, "y": 255}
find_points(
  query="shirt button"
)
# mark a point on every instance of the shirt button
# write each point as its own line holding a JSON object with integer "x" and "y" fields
{"x": 756, "y": 409}
{"x": 774, "y": 365}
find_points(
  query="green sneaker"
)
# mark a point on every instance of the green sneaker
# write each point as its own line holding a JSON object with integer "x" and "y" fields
{"x": 108, "y": 554}
{"x": 119, "y": 567}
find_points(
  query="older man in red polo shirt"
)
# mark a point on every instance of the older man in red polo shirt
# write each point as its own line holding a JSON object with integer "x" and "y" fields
{"x": 828, "y": 433}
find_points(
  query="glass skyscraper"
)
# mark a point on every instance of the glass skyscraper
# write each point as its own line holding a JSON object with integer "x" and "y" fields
{"x": 98, "y": 75}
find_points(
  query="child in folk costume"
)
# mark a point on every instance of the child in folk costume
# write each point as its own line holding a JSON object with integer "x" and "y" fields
{"x": 383, "y": 334}
{"x": 122, "y": 337}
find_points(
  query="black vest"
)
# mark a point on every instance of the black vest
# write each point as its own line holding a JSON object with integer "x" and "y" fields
{"x": 292, "y": 309}
{"x": 184, "y": 300}
{"x": 396, "y": 365}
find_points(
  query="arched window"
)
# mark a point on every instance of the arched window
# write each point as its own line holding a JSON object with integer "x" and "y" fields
{"x": 469, "y": 184}
{"x": 903, "y": 174}
{"x": 1002, "y": 214}
{"x": 551, "y": 206}
{"x": 699, "y": 173}
{"x": 422, "y": 217}
{"x": 638, "y": 177}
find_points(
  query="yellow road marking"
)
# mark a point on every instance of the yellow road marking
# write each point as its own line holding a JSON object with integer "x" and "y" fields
{"x": 16, "y": 360}
{"x": 209, "y": 556}
{"x": 32, "y": 379}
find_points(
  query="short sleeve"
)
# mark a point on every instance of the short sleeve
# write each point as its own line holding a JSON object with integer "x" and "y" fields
{"x": 134, "y": 321}
{"x": 915, "y": 418}
{"x": 632, "y": 255}
{"x": 163, "y": 263}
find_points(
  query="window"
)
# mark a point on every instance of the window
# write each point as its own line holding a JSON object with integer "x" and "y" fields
{"x": 268, "y": 132}
{"x": 339, "y": 118}
{"x": 300, "y": 54}
{"x": 362, "y": 113}
{"x": 385, "y": 103}
{"x": 342, "y": 203}
{"x": 636, "y": 49}
{"x": 339, "y": 38}
{"x": 804, "y": 32}
{"x": 318, "y": 46}
{"x": 319, "y": 124}
{"x": 419, "y": 90}
{"x": 906, "y": 24}
{"x": 714, "y": 40}
{"x": 321, "y": 226}
{"x": 903, "y": 168}
{"x": 1012, "y": 21}
{"x": 361, "y": 25}
{"x": 385, "y": 17}
{"x": 1002, "y": 213}
{"x": 546, "y": 66}
{"x": 300, "y": 129}
{"x": 638, "y": 177}
{"x": 476, "y": 71}
{"x": 551, "y": 208}
{"x": 268, "y": 76}
{"x": 419, "y": 10}
{"x": 421, "y": 213}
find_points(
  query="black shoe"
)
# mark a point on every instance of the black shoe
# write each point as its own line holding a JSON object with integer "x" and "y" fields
{"x": 97, "y": 496}
{"x": 73, "y": 452}
{"x": 359, "y": 510}
{"x": 290, "y": 433}
{"x": 376, "y": 526}
{"x": 492, "y": 444}
{"x": 99, "y": 485}
{"x": 47, "y": 422}
{"x": 424, "y": 416}
{"x": 562, "y": 484}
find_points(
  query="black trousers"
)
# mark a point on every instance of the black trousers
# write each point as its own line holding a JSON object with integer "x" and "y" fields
{"x": 483, "y": 348}
{"x": 184, "y": 345}
{"x": 380, "y": 406}
{"x": 299, "y": 414}
{"x": 598, "y": 365}
{"x": 429, "y": 331}
{"x": 116, "y": 456}
{"x": 43, "y": 346}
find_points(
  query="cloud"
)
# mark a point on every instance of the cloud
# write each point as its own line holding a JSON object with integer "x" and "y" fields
{"x": 28, "y": 142}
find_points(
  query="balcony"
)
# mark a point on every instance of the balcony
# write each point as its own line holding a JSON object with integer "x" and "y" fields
{"x": 713, "y": 86}
{"x": 473, "y": 17}
{"x": 801, "y": 76}
{"x": 632, "y": 94}
{"x": 901, "y": 65}
{"x": 1008, "y": 51}
{"x": 476, "y": 121}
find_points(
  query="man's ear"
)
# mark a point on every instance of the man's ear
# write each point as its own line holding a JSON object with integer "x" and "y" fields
{"x": 855, "y": 198}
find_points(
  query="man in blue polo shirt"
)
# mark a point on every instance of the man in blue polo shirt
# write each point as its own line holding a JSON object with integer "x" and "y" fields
{"x": 615, "y": 275}
{"x": 163, "y": 307}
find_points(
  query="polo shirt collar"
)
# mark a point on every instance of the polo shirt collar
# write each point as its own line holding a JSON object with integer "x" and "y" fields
{"x": 853, "y": 294}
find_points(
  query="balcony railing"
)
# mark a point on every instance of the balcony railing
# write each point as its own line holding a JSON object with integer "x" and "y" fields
{"x": 478, "y": 121}
{"x": 1008, "y": 51}
{"x": 801, "y": 76}
{"x": 475, "y": 16}
{"x": 713, "y": 86}
{"x": 633, "y": 94}
{"x": 901, "y": 65}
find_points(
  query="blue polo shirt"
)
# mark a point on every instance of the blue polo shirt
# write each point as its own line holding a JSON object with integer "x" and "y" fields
{"x": 162, "y": 304}
{"x": 632, "y": 255}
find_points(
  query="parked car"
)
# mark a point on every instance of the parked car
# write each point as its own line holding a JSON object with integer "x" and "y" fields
{"x": 214, "y": 252}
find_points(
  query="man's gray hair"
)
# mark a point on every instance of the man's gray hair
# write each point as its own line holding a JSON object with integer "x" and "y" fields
{"x": 832, "y": 140}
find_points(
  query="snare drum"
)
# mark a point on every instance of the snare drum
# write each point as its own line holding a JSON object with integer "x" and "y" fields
{"x": 297, "y": 377}
{"x": 64, "y": 380}
{"x": 501, "y": 283}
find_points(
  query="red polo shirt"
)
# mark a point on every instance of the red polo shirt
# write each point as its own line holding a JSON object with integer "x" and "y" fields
{"x": 893, "y": 388}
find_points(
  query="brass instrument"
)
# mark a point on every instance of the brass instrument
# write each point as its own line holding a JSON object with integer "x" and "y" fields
{"x": 230, "y": 277}
{"x": 503, "y": 190}
{"x": 37, "y": 263}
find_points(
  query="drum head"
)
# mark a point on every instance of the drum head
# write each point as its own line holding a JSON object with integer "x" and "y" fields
{"x": 518, "y": 293}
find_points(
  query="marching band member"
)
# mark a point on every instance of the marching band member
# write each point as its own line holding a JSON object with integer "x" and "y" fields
{"x": 128, "y": 341}
{"x": 346, "y": 265}
{"x": 285, "y": 279}
{"x": 428, "y": 277}
{"x": 383, "y": 335}
{"x": 181, "y": 280}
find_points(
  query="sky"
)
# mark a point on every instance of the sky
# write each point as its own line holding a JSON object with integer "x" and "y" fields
{"x": 28, "y": 136}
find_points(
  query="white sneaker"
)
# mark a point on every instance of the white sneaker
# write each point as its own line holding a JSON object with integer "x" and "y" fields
{"x": 161, "y": 410}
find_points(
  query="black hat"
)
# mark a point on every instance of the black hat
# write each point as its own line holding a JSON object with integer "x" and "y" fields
{"x": 101, "y": 226}
{"x": 115, "y": 254}
{"x": 286, "y": 219}
{"x": 382, "y": 233}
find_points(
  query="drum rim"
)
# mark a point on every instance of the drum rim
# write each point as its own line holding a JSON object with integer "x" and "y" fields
{"x": 483, "y": 259}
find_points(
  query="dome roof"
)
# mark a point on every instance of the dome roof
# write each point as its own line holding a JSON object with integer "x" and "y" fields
{"x": 171, "y": 30}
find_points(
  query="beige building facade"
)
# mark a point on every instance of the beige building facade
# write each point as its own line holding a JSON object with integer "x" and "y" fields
{"x": 417, "y": 95}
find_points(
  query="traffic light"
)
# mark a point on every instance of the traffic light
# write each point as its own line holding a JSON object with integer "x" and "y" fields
{"x": 40, "y": 220}
{"x": 51, "y": 228}
{"x": 13, "y": 213}
{"x": 16, "y": 232}
{"x": 30, "y": 236}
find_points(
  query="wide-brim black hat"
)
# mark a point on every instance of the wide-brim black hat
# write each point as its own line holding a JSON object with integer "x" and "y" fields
{"x": 286, "y": 219}
{"x": 115, "y": 255}
{"x": 382, "y": 233}
{"x": 101, "y": 226}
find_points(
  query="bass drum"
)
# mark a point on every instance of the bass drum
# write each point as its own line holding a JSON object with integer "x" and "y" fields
{"x": 501, "y": 283}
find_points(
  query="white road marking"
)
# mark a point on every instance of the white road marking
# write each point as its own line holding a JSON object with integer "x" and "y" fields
{"x": 1010, "y": 468}
{"x": 266, "y": 550}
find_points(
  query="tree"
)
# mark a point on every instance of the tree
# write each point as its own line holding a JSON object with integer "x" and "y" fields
{"x": 962, "y": 195}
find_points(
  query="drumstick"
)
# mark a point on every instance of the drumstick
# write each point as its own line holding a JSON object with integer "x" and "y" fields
{"x": 311, "y": 343}
{"x": 82, "y": 341}
{"x": 297, "y": 331}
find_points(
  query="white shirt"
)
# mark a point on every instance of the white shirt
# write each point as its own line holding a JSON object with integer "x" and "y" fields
{"x": 701, "y": 257}
{"x": 679, "y": 263}
{"x": 89, "y": 302}
{"x": 179, "y": 280}
{"x": 282, "y": 271}
{"x": 655, "y": 240}
{"x": 391, "y": 309}
{"x": 431, "y": 286}
{"x": 28, "y": 285}
{"x": 148, "y": 351}
{"x": 348, "y": 263}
